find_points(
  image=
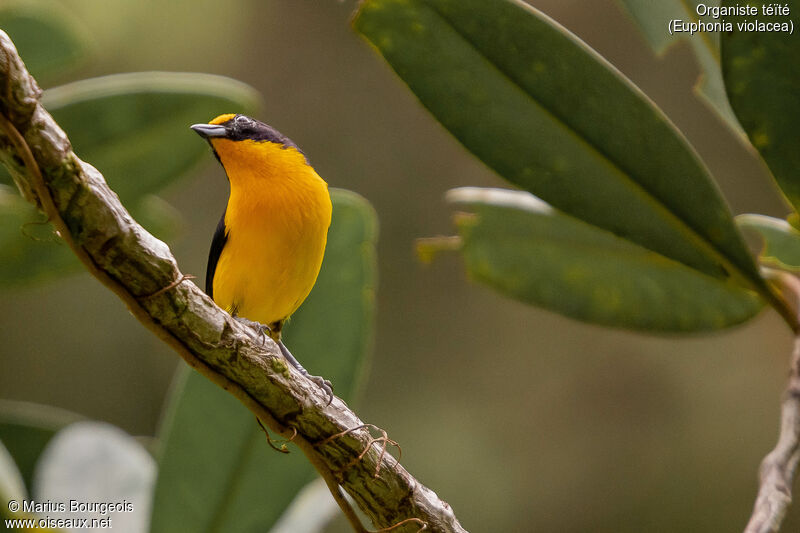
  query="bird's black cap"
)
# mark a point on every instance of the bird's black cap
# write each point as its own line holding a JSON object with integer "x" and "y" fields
{"x": 240, "y": 128}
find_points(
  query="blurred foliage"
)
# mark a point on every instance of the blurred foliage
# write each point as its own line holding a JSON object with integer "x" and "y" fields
{"x": 91, "y": 461}
{"x": 25, "y": 430}
{"x": 65, "y": 47}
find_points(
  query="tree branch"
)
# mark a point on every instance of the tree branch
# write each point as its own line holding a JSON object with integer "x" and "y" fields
{"x": 141, "y": 270}
{"x": 779, "y": 467}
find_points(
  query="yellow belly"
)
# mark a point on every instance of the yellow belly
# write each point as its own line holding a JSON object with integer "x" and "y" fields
{"x": 273, "y": 252}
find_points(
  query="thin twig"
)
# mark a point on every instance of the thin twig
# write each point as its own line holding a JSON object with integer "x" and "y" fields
{"x": 280, "y": 449}
{"x": 336, "y": 491}
{"x": 421, "y": 523}
{"x": 171, "y": 286}
{"x": 778, "y": 468}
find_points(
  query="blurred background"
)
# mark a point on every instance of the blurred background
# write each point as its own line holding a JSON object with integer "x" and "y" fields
{"x": 521, "y": 419}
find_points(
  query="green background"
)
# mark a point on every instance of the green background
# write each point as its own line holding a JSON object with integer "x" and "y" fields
{"x": 521, "y": 419}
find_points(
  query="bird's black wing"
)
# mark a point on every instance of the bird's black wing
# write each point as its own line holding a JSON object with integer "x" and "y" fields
{"x": 217, "y": 244}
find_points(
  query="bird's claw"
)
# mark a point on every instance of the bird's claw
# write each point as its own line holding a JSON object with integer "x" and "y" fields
{"x": 325, "y": 385}
{"x": 258, "y": 326}
{"x": 319, "y": 381}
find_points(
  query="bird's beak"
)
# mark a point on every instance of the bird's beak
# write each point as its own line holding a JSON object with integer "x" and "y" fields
{"x": 210, "y": 130}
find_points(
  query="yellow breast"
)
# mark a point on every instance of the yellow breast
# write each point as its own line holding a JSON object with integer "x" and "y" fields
{"x": 277, "y": 221}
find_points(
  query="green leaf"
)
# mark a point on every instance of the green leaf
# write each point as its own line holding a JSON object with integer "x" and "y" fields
{"x": 762, "y": 77}
{"x": 781, "y": 240}
{"x": 216, "y": 471}
{"x": 653, "y": 16}
{"x": 525, "y": 249}
{"x": 26, "y": 428}
{"x": 48, "y": 37}
{"x": 134, "y": 128}
{"x": 550, "y": 115}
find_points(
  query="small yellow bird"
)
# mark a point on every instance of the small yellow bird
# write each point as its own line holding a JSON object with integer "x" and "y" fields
{"x": 268, "y": 247}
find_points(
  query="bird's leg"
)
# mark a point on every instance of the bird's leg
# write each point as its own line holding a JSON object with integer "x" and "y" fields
{"x": 321, "y": 382}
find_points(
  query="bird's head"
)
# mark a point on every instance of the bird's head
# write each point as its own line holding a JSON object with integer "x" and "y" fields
{"x": 252, "y": 146}
{"x": 235, "y": 127}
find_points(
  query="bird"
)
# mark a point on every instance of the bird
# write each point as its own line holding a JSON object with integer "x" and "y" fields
{"x": 267, "y": 250}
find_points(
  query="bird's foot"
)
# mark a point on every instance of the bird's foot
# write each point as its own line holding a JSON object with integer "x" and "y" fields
{"x": 258, "y": 326}
{"x": 319, "y": 381}
{"x": 323, "y": 384}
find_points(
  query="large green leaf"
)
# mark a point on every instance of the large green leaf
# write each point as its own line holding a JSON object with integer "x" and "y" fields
{"x": 550, "y": 115}
{"x": 781, "y": 240}
{"x": 653, "y": 16}
{"x": 25, "y": 430}
{"x": 762, "y": 77}
{"x": 216, "y": 472}
{"x": 47, "y": 37}
{"x": 529, "y": 251}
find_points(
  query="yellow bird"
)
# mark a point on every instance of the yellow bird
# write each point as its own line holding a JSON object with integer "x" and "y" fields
{"x": 268, "y": 247}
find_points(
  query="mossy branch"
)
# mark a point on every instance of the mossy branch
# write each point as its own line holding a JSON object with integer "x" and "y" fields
{"x": 141, "y": 270}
